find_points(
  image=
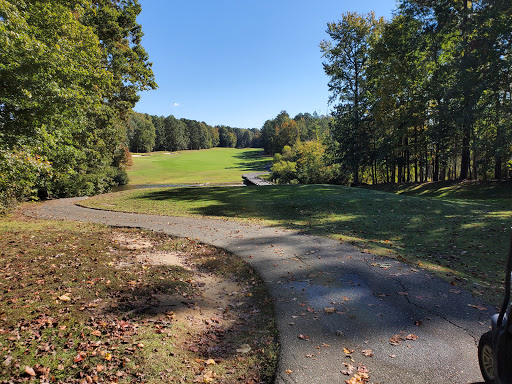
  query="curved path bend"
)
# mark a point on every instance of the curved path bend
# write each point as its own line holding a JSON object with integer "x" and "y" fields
{"x": 377, "y": 302}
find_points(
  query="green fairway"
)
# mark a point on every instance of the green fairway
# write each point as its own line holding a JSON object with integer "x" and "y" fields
{"x": 464, "y": 241}
{"x": 216, "y": 165}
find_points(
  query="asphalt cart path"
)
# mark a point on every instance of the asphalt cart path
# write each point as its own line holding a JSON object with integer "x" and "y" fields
{"x": 338, "y": 310}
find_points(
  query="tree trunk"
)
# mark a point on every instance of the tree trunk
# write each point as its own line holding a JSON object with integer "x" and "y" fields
{"x": 442, "y": 174}
{"x": 415, "y": 170}
{"x": 475, "y": 166}
{"x": 497, "y": 167}
{"x": 355, "y": 172}
{"x": 435, "y": 175}
{"x": 466, "y": 112}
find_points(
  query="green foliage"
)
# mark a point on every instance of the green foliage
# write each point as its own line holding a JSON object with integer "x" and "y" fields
{"x": 347, "y": 54}
{"x": 114, "y": 22}
{"x": 141, "y": 133}
{"x": 425, "y": 96}
{"x": 20, "y": 171}
{"x": 305, "y": 163}
{"x": 283, "y": 131}
{"x": 62, "y": 100}
{"x": 227, "y": 138}
{"x": 284, "y": 172}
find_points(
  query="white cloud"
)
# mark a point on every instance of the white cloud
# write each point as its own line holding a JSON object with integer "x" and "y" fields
{"x": 175, "y": 105}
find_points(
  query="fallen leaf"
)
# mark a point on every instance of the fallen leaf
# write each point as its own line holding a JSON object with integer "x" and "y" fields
{"x": 210, "y": 362}
{"x": 358, "y": 378}
{"x": 479, "y": 307}
{"x": 29, "y": 371}
{"x": 348, "y": 351}
{"x": 330, "y": 310}
{"x": 96, "y": 333}
{"x": 244, "y": 348}
{"x": 362, "y": 369}
{"x": 367, "y": 352}
{"x": 411, "y": 337}
{"x": 64, "y": 298}
{"x": 209, "y": 376}
{"x": 403, "y": 293}
{"x": 396, "y": 340}
{"x": 303, "y": 337}
{"x": 350, "y": 369}
{"x": 289, "y": 371}
{"x": 79, "y": 358}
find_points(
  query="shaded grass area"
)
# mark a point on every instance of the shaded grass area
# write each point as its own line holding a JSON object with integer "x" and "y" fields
{"x": 216, "y": 165}
{"x": 466, "y": 189}
{"x": 68, "y": 315}
{"x": 464, "y": 241}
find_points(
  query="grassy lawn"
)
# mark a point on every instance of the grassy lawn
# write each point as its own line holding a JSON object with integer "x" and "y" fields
{"x": 82, "y": 304}
{"x": 468, "y": 189}
{"x": 462, "y": 240}
{"x": 216, "y": 165}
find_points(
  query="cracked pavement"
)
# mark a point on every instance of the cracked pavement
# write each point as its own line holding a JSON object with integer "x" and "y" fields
{"x": 330, "y": 298}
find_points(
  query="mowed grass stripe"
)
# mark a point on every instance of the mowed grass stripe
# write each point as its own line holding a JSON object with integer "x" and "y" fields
{"x": 216, "y": 165}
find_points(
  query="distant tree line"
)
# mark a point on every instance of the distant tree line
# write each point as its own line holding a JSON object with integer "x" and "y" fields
{"x": 425, "y": 96}
{"x": 146, "y": 133}
{"x": 70, "y": 73}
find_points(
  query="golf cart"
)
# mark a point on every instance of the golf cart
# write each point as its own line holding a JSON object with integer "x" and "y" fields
{"x": 495, "y": 346}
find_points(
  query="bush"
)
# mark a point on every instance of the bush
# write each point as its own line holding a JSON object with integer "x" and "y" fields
{"x": 283, "y": 172}
{"x": 19, "y": 172}
{"x": 306, "y": 163}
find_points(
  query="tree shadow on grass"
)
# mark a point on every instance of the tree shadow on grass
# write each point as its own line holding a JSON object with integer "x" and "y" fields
{"x": 252, "y": 160}
{"x": 465, "y": 236}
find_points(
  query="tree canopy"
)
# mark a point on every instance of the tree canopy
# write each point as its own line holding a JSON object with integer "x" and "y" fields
{"x": 69, "y": 71}
{"x": 424, "y": 96}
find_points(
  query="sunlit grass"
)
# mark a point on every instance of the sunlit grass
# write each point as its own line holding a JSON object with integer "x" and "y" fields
{"x": 216, "y": 165}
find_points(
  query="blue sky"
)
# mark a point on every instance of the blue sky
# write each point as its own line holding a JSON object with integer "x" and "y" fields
{"x": 240, "y": 62}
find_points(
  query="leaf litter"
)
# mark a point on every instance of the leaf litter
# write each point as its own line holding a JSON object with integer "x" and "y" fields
{"x": 90, "y": 304}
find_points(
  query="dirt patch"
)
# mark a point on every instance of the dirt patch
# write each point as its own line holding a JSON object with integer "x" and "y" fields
{"x": 132, "y": 242}
{"x": 219, "y": 302}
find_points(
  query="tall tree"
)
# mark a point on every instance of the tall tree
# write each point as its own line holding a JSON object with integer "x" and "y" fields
{"x": 115, "y": 24}
{"x": 141, "y": 133}
{"x": 269, "y": 132}
{"x": 176, "y": 137}
{"x": 397, "y": 76}
{"x": 59, "y": 86}
{"x": 347, "y": 58}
